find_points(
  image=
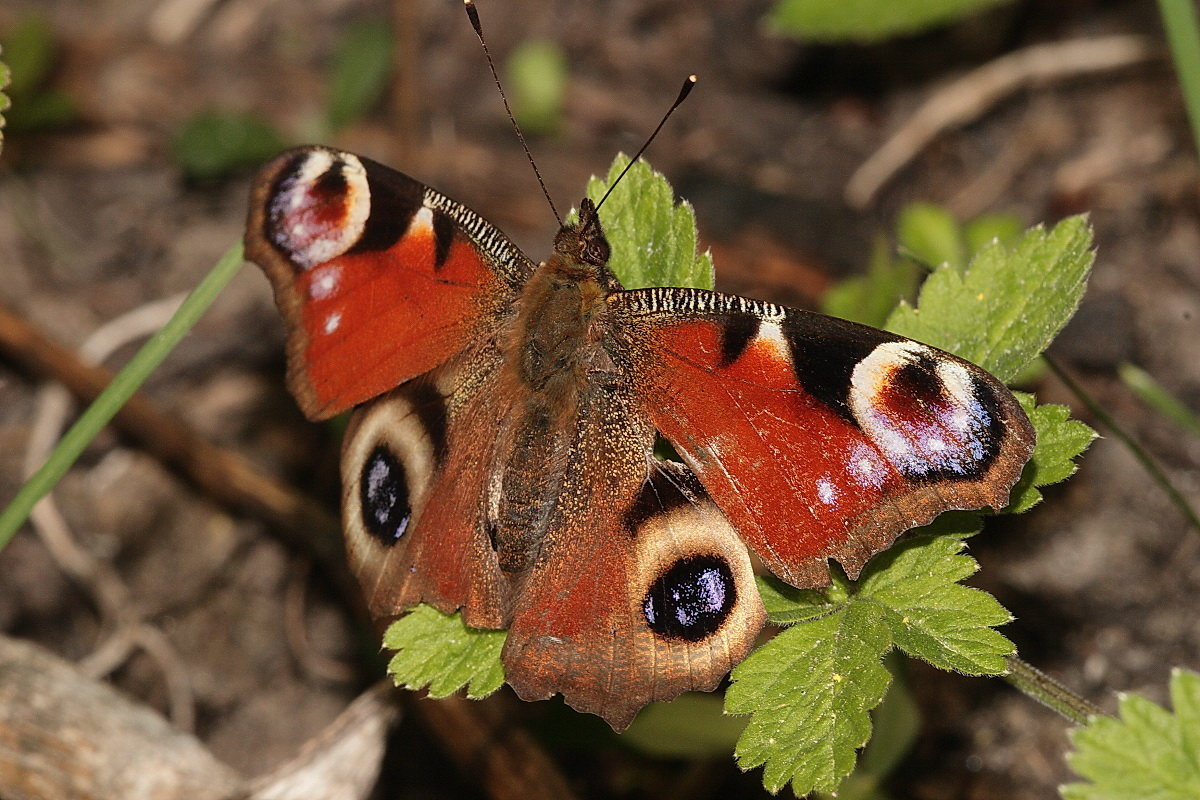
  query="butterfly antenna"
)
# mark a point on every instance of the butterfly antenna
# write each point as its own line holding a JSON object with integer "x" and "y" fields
{"x": 684, "y": 91}
{"x": 473, "y": 15}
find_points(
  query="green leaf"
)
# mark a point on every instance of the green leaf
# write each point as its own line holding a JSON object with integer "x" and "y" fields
{"x": 809, "y": 690}
{"x": 691, "y": 726}
{"x": 869, "y": 299}
{"x": 30, "y": 52}
{"x": 1148, "y": 754}
{"x": 653, "y": 239}
{"x": 437, "y": 650}
{"x": 866, "y": 20}
{"x": 214, "y": 144}
{"x": 361, "y": 67}
{"x": 1007, "y": 306}
{"x": 1060, "y": 440}
{"x": 981, "y": 231}
{"x": 930, "y": 615}
{"x": 931, "y": 235}
{"x": 537, "y": 83}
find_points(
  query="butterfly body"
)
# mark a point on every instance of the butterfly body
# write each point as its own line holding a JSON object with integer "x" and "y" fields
{"x": 500, "y": 461}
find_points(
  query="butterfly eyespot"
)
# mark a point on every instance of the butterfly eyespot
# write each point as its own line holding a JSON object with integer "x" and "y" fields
{"x": 691, "y": 599}
{"x": 384, "y": 499}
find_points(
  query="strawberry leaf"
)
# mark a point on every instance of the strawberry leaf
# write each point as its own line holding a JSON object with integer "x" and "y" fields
{"x": 1149, "y": 753}
{"x": 437, "y": 650}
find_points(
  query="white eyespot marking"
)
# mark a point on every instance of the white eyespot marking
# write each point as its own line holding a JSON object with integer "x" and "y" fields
{"x": 319, "y": 208}
{"x": 921, "y": 409}
{"x": 332, "y": 322}
{"x": 865, "y": 467}
{"x": 827, "y": 492}
{"x": 422, "y": 221}
{"x": 324, "y": 282}
{"x": 770, "y": 336}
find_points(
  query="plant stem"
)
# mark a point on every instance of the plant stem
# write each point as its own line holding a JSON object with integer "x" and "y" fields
{"x": 1049, "y": 692}
{"x": 1183, "y": 35}
{"x": 114, "y": 396}
{"x": 1138, "y": 451}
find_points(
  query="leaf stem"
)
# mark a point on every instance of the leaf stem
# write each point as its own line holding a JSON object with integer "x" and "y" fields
{"x": 123, "y": 385}
{"x": 1049, "y": 692}
{"x": 1138, "y": 451}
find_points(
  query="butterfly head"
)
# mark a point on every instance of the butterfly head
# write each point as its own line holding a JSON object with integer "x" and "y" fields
{"x": 583, "y": 242}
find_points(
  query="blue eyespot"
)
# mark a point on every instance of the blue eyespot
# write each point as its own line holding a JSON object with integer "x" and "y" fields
{"x": 691, "y": 599}
{"x": 383, "y": 494}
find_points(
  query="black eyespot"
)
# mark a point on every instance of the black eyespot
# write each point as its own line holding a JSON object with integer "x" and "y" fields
{"x": 383, "y": 496}
{"x": 691, "y": 599}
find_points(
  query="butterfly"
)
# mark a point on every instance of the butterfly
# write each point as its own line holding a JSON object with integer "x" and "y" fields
{"x": 500, "y": 458}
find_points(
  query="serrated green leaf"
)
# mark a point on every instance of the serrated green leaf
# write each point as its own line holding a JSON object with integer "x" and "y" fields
{"x": 437, "y": 650}
{"x": 787, "y": 605}
{"x": 931, "y": 235}
{"x": 361, "y": 67}
{"x": 932, "y": 616}
{"x": 809, "y": 690}
{"x": 1006, "y": 307}
{"x": 653, "y": 239}
{"x": 537, "y": 83}
{"x": 1148, "y": 754}
{"x": 866, "y": 20}
{"x": 1060, "y": 440}
{"x": 983, "y": 230}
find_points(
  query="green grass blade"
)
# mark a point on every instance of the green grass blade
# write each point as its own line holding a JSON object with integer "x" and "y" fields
{"x": 1151, "y": 392}
{"x": 1183, "y": 34}
{"x": 124, "y": 384}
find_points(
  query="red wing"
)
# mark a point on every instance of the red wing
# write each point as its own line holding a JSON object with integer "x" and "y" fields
{"x": 379, "y": 278}
{"x": 818, "y": 438}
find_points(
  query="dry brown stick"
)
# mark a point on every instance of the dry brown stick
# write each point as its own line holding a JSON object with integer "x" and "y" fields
{"x": 221, "y": 474}
{"x": 971, "y": 95}
{"x": 231, "y": 479}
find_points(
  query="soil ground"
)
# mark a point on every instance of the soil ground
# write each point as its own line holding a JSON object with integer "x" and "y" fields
{"x": 97, "y": 220}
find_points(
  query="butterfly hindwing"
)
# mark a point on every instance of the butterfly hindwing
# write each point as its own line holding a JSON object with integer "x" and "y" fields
{"x": 641, "y": 589}
{"x": 818, "y": 438}
{"x": 379, "y": 277}
{"x": 415, "y": 463}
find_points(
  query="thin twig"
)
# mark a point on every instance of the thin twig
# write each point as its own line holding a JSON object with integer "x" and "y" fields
{"x": 972, "y": 95}
{"x": 1139, "y": 452}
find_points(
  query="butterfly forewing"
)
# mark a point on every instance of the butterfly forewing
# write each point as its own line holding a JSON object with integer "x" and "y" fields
{"x": 819, "y": 438}
{"x": 379, "y": 277}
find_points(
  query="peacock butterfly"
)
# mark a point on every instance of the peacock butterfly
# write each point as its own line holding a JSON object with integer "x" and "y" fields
{"x": 500, "y": 457}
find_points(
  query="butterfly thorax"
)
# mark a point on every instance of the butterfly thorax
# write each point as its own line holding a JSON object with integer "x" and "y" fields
{"x": 550, "y": 356}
